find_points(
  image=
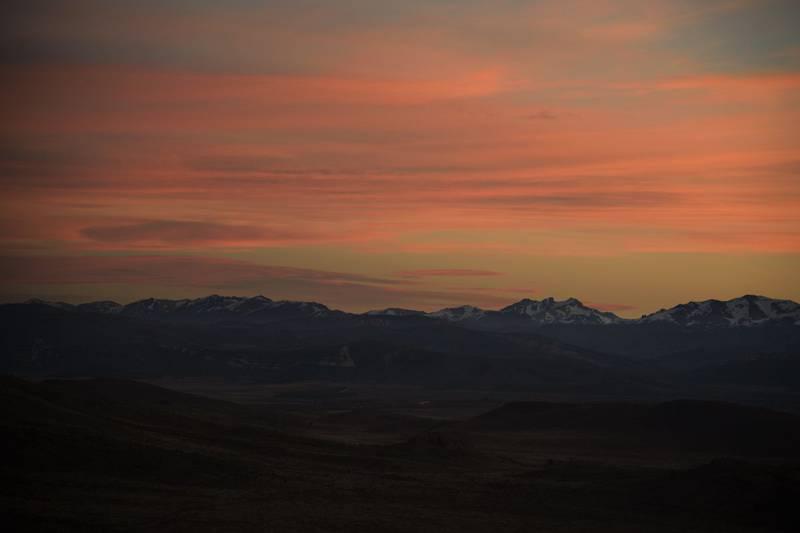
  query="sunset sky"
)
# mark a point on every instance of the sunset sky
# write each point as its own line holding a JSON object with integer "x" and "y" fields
{"x": 372, "y": 153}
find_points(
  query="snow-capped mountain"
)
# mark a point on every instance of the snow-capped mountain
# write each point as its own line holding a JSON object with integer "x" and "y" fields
{"x": 311, "y": 309}
{"x": 533, "y": 312}
{"x": 153, "y": 307}
{"x": 104, "y": 306}
{"x": 552, "y": 311}
{"x": 747, "y": 310}
{"x": 459, "y": 314}
{"x": 210, "y": 307}
{"x": 213, "y": 306}
{"x": 58, "y": 305}
{"x": 394, "y": 311}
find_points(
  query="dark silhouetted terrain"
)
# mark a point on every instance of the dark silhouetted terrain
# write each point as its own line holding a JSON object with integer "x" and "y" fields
{"x": 117, "y": 455}
{"x": 244, "y": 414}
{"x": 740, "y": 354}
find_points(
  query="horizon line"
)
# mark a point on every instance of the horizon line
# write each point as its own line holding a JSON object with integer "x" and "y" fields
{"x": 34, "y": 300}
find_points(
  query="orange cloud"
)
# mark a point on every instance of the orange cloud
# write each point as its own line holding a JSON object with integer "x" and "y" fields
{"x": 726, "y": 87}
{"x": 446, "y": 272}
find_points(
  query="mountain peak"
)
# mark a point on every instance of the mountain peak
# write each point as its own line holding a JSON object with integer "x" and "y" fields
{"x": 457, "y": 314}
{"x": 552, "y": 311}
{"x": 39, "y": 301}
{"x": 394, "y": 311}
{"x": 747, "y": 310}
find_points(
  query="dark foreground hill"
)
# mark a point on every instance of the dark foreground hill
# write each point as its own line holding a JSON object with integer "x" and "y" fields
{"x": 682, "y": 425}
{"x": 116, "y": 455}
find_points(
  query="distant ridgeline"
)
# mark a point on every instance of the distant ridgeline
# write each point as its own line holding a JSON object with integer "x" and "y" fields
{"x": 747, "y": 310}
{"x": 748, "y": 343}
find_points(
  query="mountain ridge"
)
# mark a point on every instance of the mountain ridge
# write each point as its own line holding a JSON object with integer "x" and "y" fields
{"x": 744, "y": 311}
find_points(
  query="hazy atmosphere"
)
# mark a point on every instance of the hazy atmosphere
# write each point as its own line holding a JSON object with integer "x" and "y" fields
{"x": 368, "y": 154}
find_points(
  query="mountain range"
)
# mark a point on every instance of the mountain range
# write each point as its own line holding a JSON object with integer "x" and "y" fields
{"x": 748, "y": 310}
{"x": 745, "y": 349}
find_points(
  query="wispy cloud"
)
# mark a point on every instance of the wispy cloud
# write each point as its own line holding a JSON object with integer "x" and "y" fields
{"x": 542, "y": 115}
{"x": 185, "y": 271}
{"x": 188, "y": 233}
{"x": 196, "y": 275}
{"x": 446, "y": 272}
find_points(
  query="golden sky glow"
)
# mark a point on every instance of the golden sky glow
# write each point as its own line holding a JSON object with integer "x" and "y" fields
{"x": 419, "y": 154}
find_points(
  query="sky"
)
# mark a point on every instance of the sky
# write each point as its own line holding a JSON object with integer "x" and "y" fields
{"x": 373, "y": 153}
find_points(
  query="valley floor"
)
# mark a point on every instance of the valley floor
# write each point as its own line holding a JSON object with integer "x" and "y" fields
{"x": 114, "y": 455}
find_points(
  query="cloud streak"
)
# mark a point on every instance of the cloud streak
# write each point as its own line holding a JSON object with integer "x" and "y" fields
{"x": 188, "y": 233}
{"x": 184, "y": 271}
{"x": 195, "y": 275}
{"x": 446, "y": 273}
